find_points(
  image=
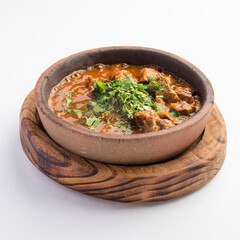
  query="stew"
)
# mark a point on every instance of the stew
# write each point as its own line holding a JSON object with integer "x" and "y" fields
{"x": 123, "y": 99}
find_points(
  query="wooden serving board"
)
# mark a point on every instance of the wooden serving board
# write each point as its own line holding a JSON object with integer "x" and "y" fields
{"x": 171, "y": 179}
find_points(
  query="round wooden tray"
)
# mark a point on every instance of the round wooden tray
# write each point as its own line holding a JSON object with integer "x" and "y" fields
{"x": 162, "y": 181}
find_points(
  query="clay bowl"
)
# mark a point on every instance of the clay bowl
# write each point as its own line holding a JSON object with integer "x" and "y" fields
{"x": 127, "y": 149}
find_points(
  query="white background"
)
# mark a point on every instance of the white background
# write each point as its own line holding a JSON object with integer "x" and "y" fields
{"x": 35, "y": 34}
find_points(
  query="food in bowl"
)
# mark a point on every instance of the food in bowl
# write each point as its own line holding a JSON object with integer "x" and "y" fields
{"x": 127, "y": 149}
{"x": 123, "y": 99}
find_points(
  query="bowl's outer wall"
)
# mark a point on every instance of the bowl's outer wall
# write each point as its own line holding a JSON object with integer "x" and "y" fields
{"x": 129, "y": 150}
{"x": 122, "y": 151}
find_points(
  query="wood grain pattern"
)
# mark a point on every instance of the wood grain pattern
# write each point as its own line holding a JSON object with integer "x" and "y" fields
{"x": 179, "y": 176}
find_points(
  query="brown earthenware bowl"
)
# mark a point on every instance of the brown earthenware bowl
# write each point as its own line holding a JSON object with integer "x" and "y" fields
{"x": 124, "y": 149}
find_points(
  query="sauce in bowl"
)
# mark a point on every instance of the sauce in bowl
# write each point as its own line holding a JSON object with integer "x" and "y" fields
{"x": 123, "y": 99}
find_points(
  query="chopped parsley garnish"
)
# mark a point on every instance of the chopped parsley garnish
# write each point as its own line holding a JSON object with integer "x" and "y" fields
{"x": 98, "y": 109}
{"x": 124, "y": 95}
{"x": 157, "y": 86}
{"x": 76, "y": 111}
{"x": 159, "y": 107}
{"x": 68, "y": 102}
{"x": 179, "y": 118}
{"x": 124, "y": 125}
{"x": 145, "y": 85}
{"x": 175, "y": 114}
{"x": 151, "y": 78}
{"x": 67, "y": 110}
{"x": 91, "y": 104}
{"x": 69, "y": 94}
{"x": 93, "y": 122}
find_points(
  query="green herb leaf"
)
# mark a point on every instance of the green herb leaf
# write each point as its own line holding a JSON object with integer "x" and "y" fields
{"x": 91, "y": 104}
{"x": 86, "y": 111}
{"x": 99, "y": 109}
{"x": 145, "y": 86}
{"x": 174, "y": 114}
{"x": 157, "y": 86}
{"x": 161, "y": 88}
{"x": 100, "y": 86}
{"x": 152, "y": 78}
{"x": 141, "y": 88}
{"x": 158, "y": 107}
{"x": 160, "y": 96}
{"x": 90, "y": 120}
{"x": 67, "y": 110}
{"x": 124, "y": 125}
{"x": 93, "y": 122}
{"x": 68, "y": 102}
{"x": 76, "y": 111}
{"x": 179, "y": 118}
{"x": 150, "y": 89}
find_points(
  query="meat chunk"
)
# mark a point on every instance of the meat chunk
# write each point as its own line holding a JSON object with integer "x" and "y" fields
{"x": 169, "y": 95}
{"x": 185, "y": 94}
{"x": 165, "y": 115}
{"x": 161, "y": 87}
{"x": 147, "y": 74}
{"x": 117, "y": 74}
{"x": 159, "y": 83}
{"x": 165, "y": 123}
{"x": 183, "y": 108}
{"x": 164, "y": 81}
{"x": 103, "y": 79}
{"x": 162, "y": 103}
{"x": 148, "y": 121}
